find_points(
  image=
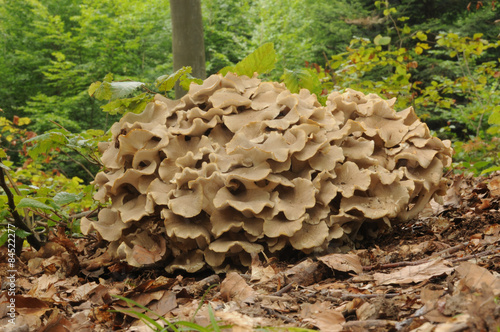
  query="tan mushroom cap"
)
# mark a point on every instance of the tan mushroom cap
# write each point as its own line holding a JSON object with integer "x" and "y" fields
{"x": 144, "y": 249}
{"x": 110, "y": 225}
{"x": 190, "y": 262}
{"x": 350, "y": 178}
{"x": 293, "y": 202}
{"x": 238, "y": 166}
{"x": 310, "y": 236}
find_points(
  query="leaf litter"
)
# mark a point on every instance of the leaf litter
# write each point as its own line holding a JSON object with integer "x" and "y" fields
{"x": 438, "y": 272}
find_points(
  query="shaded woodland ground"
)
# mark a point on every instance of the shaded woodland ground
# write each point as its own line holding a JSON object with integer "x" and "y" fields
{"x": 436, "y": 273}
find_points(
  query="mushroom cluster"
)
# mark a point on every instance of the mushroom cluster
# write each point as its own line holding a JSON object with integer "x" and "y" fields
{"x": 239, "y": 166}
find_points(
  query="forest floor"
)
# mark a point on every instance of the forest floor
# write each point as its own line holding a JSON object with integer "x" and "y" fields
{"x": 439, "y": 272}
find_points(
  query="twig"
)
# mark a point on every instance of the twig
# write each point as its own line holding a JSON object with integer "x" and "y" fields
{"x": 393, "y": 265}
{"x": 79, "y": 163}
{"x": 451, "y": 250}
{"x": 443, "y": 253}
{"x": 279, "y": 315}
{"x": 369, "y": 324}
{"x": 284, "y": 289}
{"x": 83, "y": 214}
{"x": 350, "y": 296}
{"x": 481, "y": 254}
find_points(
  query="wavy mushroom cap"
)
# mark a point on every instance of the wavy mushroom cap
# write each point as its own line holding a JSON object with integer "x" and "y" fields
{"x": 239, "y": 166}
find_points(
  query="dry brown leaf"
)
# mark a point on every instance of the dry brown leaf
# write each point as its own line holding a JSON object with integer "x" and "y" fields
{"x": 320, "y": 315}
{"x": 432, "y": 301}
{"x": 260, "y": 273}
{"x": 343, "y": 262}
{"x": 27, "y": 305}
{"x": 235, "y": 288}
{"x": 367, "y": 311}
{"x": 164, "y": 305}
{"x": 81, "y": 293}
{"x": 414, "y": 274}
{"x": 474, "y": 277}
{"x": 57, "y": 323}
{"x": 494, "y": 186}
{"x": 239, "y": 321}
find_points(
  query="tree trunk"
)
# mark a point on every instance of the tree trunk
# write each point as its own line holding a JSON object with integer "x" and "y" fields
{"x": 188, "y": 47}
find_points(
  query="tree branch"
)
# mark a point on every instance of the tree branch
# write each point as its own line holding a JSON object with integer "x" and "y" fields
{"x": 18, "y": 221}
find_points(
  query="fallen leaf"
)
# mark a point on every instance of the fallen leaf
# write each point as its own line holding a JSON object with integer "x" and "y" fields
{"x": 414, "y": 274}
{"x": 431, "y": 299}
{"x": 235, "y": 288}
{"x": 27, "y": 305}
{"x": 320, "y": 315}
{"x": 57, "y": 323}
{"x": 476, "y": 277}
{"x": 343, "y": 262}
{"x": 239, "y": 322}
{"x": 260, "y": 273}
{"x": 367, "y": 311}
{"x": 485, "y": 204}
{"x": 494, "y": 186}
{"x": 164, "y": 305}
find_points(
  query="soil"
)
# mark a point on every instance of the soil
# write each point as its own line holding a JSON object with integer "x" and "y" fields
{"x": 439, "y": 272}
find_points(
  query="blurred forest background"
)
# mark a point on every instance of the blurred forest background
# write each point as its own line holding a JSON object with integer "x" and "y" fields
{"x": 440, "y": 56}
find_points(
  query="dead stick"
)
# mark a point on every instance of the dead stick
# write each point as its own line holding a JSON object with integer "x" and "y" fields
{"x": 279, "y": 315}
{"x": 369, "y": 323}
{"x": 372, "y": 296}
{"x": 480, "y": 254}
{"x": 425, "y": 260}
{"x": 451, "y": 250}
{"x": 284, "y": 289}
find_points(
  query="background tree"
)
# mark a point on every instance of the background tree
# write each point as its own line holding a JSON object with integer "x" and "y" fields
{"x": 188, "y": 46}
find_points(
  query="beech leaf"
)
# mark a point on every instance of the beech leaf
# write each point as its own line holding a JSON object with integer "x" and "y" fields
{"x": 32, "y": 203}
{"x": 261, "y": 61}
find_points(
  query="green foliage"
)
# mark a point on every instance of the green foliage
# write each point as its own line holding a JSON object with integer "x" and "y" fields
{"x": 260, "y": 61}
{"x": 51, "y": 52}
{"x": 461, "y": 94}
{"x": 116, "y": 91}
{"x": 43, "y": 196}
{"x": 306, "y": 78}
{"x": 154, "y": 325}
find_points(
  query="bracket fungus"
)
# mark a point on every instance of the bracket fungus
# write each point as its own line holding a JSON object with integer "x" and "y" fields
{"x": 239, "y": 166}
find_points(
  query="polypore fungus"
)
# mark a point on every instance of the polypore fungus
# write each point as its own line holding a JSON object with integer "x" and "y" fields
{"x": 239, "y": 166}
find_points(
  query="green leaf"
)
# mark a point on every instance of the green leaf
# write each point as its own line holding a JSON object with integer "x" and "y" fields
{"x": 3, "y": 238}
{"x": 477, "y": 36}
{"x": 32, "y": 203}
{"x": 102, "y": 90}
{"x": 494, "y": 118}
{"x": 134, "y": 104}
{"x": 3, "y": 166}
{"x": 22, "y": 233}
{"x": 123, "y": 89}
{"x": 167, "y": 82}
{"x": 490, "y": 169}
{"x": 303, "y": 79}
{"x": 93, "y": 88}
{"x": 261, "y": 61}
{"x": 421, "y": 36}
{"x": 379, "y": 40}
{"x": 389, "y": 11}
{"x": 45, "y": 142}
{"x": 186, "y": 81}
{"x": 63, "y": 198}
